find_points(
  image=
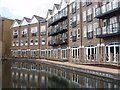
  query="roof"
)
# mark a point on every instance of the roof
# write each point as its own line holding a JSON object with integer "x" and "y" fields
{"x": 39, "y": 18}
{"x": 27, "y": 19}
{"x": 18, "y": 21}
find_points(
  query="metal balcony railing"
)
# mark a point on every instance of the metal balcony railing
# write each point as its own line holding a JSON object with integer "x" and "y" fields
{"x": 110, "y": 9}
{"x": 15, "y": 36}
{"x": 109, "y": 30}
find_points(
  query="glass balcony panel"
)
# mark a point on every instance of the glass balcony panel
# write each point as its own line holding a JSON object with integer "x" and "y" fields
{"x": 114, "y": 4}
{"x": 104, "y": 30}
{"x": 109, "y": 6}
{"x": 103, "y": 9}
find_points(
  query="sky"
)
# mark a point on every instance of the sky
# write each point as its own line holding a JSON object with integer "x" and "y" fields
{"x": 17, "y": 9}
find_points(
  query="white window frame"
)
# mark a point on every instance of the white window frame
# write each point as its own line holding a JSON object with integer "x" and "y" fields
{"x": 65, "y": 53}
{"x": 31, "y": 43}
{"x": 95, "y": 25}
{"x": 84, "y": 31}
{"x": 43, "y": 43}
{"x": 77, "y": 55}
{"x": 36, "y": 43}
{"x": 78, "y": 33}
{"x": 84, "y": 15}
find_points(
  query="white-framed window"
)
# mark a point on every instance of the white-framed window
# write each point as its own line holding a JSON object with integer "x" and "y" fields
{"x": 26, "y": 42}
{"x": 71, "y": 35}
{"x": 71, "y": 8}
{"x": 49, "y": 53}
{"x": 104, "y": 28}
{"x": 33, "y": 53}
{"x": 112, "y": 52}
{"x": 89, "y": 14}
{"x": 89, "y": 27}
{"x": 43, "y": 41}
{"x": 83, "y": 2}
{"x": 78, "y": 4}
{"x": 17, "y": 43}
{"x": 21, "y": 42}
{"x": 74, "y": 4}
{"x": 74, "y": 18}
{"x": 13, "y": 43}
{"x": 75, "y": 52}
{"x": 34, "y": 29}
{"x": 90, "y": 52}
{"x": 56, "y": 53}
{"x": 15, "y": 32}
{"x": 84, "y": 15}
{"x": 78, "y": 33}
{"x": 43, "y": 29}
{"x": 64, "y": 53}
{"x": 31, "y": 41}
{"x": 24, "y": 32}
{"x": 15, "y": 53}
{"x": 71, "y": 19}
{"x": 36, "y": 41}
{"x": 113, "y": 27}
{"x": 94, "y": 9}
{"x": 78, "y": 18}
{"x": 84, "y": 31}
{"x": 95, "y": 25}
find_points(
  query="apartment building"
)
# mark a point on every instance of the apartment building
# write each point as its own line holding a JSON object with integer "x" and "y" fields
{"x": 79, "y": 32}
{"x": 5, "y": 40}
{"x": 28, "y": 37}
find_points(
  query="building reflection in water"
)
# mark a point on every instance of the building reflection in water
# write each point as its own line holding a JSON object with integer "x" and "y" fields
{"x": 39, "y": 75}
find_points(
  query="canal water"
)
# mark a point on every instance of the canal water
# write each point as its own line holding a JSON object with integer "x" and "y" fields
{"x": 30, "y": 74}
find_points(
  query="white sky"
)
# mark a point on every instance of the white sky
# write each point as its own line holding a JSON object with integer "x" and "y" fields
{"x": 17, "y": 9}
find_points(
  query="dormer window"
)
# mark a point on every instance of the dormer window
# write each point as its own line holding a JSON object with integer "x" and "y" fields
{"x": 24, "y": 32}
{"x": 34, "y": 31}
{"x": 15, "y": 33}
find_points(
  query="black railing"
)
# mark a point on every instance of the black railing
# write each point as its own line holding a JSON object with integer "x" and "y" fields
{"x": 57, "y": 30}
{"x": 34, "y": 34}
{"x": 109, "y": 30}
{"x": 59, "y": 19}
{"x": 88, "y": 3}
{"x": 107, "y": 10}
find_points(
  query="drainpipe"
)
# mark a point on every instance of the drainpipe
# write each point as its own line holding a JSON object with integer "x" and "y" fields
{"x": 39, "y": 38}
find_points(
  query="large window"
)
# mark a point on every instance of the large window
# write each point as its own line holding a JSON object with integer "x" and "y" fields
{"x": 56, "y": 53}
{"x": 78, "y": 4}
{"x": 91, "y": 53}
{"x": 95, "y": 27}
{"x": 24, "y": 32}
{"x": 94, "y": 9}
{"x": 89, "y": 15}
{"x": 84, "y": 31}
{"x": 64, "y": 53}
{"x": 112, "y": 53}
{"x": 34, "y": 31}
{"x": 90, "y": 33}
{"x": 15, "y": 33}
{"x": 43, "y": 30}
{"x": 36, "y": 41}
{"x": 21, "y": 42}
{"x": 78, "y": 18}
{"x": 75, "y": 52}
{"x": 84, "y": 15}
{"x": 31, "y": 41}
{"x": 43, "y": 41}
{"x": 78, "y": 33}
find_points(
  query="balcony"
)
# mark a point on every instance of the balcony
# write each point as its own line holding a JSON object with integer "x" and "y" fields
{"x": 108, "y": 10}
{"x": 57, "y": 42}
{"x": 73, "y": 10}
{"x": 73, "y": 24}
{"x": 15, "y": 36}
{"x": 74, "y": 38}
{"x": 56, "y": 31}
{"x": 34, "y": 34}
{"x": 59, "y": 19}
{"x": 107, "y": 31}
{"x": 90, "y": 35}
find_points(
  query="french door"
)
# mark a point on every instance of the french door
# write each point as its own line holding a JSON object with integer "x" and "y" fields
{"x": 112, "y": 53}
